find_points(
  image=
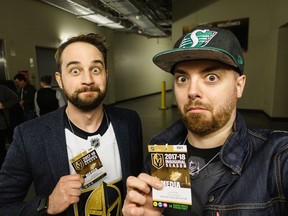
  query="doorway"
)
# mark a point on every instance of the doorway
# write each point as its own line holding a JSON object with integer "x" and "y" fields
{"x": 46, "y": 64}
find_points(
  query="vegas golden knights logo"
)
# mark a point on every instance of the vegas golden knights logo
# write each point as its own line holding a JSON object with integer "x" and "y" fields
{"x": 157, "y": 160}
{"x": 104, "y": 200}
{"x": 78, "y": 165}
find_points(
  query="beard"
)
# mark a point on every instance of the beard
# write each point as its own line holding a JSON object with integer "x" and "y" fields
{"x": 201, "y": 124}
{"x": 88, "y": 103}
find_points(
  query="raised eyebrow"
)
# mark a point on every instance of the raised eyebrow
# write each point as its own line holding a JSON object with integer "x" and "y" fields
{"x": 205, "y": 70}
{"x": 72, "y": 63}
{"x": 77, "y": 62}
{"x": 98, "y": 61}
{"x": 212, "y": 68}
{"x": 179, "y": 71}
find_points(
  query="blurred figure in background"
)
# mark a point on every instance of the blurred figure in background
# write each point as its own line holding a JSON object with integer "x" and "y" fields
{"x": 8, "y": 99}
{"x": 26, "y": 94}
{"x": 46, "y": 98}
{"x": 16, "y": 115}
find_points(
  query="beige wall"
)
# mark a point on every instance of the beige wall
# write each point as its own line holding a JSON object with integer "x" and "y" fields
{"x": 263, "y": 90}
{"x": 280, "y": 103}
{"x": 25, "y": 24}
{"x": 135, "y": 72}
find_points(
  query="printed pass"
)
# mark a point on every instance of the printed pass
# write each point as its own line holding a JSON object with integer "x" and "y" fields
{"x": 169, "y": 164}
{"x": 89, "y": 166}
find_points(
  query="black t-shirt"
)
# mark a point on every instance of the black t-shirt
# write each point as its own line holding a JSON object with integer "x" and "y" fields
{"x": 202, "y": 182}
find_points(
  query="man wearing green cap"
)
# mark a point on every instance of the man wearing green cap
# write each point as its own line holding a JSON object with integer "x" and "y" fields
{"x": 234, "y": 170}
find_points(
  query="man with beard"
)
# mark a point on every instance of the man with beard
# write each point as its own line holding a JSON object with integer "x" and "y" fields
{"x": 79, "y": 156}
{"x": 234, "y": 170}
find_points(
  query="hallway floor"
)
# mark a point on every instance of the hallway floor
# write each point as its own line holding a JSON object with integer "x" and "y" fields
{"x": 153, "y": 118}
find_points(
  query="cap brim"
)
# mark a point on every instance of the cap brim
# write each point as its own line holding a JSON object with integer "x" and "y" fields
{"x": 167, "y": 59}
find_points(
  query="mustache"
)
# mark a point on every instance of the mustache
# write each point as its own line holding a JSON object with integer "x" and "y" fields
{"x": 88, "y": 89}
{"x": 196, "y": 103}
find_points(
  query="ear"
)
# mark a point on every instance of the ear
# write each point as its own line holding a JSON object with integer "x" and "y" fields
{"x": 59, "y": 79}
{"x": 241, "y": 80}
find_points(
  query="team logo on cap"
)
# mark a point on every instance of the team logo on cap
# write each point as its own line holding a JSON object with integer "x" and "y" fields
{"x": 197, "y": 38}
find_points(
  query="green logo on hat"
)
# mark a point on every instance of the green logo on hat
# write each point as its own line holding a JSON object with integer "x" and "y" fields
{"x": 197, "y": 38}
{"x": 240, "y": 60}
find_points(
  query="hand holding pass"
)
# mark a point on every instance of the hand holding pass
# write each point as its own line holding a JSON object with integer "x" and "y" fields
{"x": 138, "y": 200}
{"x": 66, "y": 192}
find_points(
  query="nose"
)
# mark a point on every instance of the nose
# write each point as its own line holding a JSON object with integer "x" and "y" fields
{"x": 87, "y": 78}
{"x": 194, "y": 90}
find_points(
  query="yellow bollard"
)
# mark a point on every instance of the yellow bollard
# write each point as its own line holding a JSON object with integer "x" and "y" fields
{"x": 163, "y": 96}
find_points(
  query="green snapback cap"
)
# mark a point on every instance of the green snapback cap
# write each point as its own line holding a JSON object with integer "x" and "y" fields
{"x": 203, "y": 43}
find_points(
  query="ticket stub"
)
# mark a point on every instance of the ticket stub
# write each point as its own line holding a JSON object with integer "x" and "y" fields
{"x": 89, "y": 166}
{"x": 169, "y": 164}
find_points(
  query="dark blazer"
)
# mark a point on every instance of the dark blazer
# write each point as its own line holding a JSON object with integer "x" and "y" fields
{"x": 38, "y": 155}
{"x": 28, "y": 97}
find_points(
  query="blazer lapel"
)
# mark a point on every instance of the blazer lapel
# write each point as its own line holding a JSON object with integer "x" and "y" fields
{"x": 55, "y": 146}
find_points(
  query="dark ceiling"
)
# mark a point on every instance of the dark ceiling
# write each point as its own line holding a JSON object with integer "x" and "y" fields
{"x": 150, "y": 18}
{"x": 160, "y": 12}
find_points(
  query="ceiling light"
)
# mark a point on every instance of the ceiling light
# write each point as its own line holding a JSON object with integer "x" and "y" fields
{"x": 138, "y": 17}
{"x": 102, "y": 21}
{"x": 79, "y": 8}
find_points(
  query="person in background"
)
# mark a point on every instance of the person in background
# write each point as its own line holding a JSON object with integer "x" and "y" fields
{"x": 79, "y": 156}
{"x": 46, "y": 98}
{"x": 8, "y": 99}
{"x": 16, "y": 115}
{"x": 26, "y": 94}
{"x": 234, "y": 169}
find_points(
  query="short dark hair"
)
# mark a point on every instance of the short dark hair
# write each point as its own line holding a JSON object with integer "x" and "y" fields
{"x": 20, "y": 77}
{"x": 94, "y": 39}
{"x": 47, "y": 79}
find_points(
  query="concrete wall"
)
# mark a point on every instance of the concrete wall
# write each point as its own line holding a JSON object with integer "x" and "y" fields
{"x": 135, "y": 73}
{"x": 280, "y": 103}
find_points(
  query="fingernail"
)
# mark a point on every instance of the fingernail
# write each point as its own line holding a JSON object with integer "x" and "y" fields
{"x": 159, "y": 184}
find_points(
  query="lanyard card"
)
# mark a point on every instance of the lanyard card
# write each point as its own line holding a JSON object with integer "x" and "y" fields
{"x": 89, "y": 166}
{"x": 169, "y": 164}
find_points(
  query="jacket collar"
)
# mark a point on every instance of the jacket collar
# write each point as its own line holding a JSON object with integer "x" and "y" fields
{"x": 233, "y": 153}
{"x": 57, "y": 155}
{"x": 235, "y": 150}
{"x": 173, "y": 135}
